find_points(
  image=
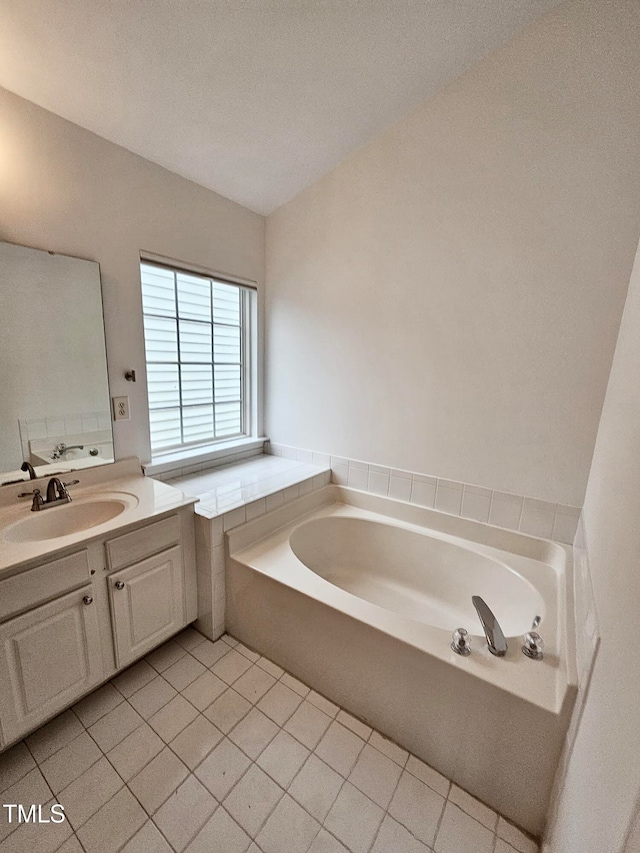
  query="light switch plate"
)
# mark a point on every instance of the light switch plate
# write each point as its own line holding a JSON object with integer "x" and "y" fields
{"x": 120, "y": 408}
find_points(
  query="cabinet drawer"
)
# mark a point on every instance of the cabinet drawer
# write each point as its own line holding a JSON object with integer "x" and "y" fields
{"x": 33, "y": 586}
{"x": 132, "y": 547}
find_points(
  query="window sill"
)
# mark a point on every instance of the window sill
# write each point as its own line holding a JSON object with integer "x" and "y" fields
{"x": 201, "y": 456}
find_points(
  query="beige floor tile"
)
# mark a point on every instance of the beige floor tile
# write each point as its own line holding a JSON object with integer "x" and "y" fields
{"x": 279, "y": 703}
{"x": 254, "y": 684}
{"x": 513, "y": 836}
{"x": 113, "y": 825}
{"x": 89, "y": 792}
{"x": 339, "y": 748}
{"x": 227, "y": 710}
{"x": 222, "y": 768}
{"x": 35, "y": 837}
{"x": 14, "y": 764}
{"x": 184, "y": 813}
{"x": 71, "y": 845}
{"x": 196, "y": 741}
{"x": 289, "y": 829}
{"x": 97, "y": 704}
{"x": 209, "y": 653}
{"x": 316, "y": 787}
{"x": 325, "y": 843}
{"x": 134, "y": 678}
{"x": 324, "y": 704}
{"x": 252, "y": 800}
{"x": 248, "y": 653}
{"x": 158, "y": 780}
{"x": 354, "y": 724}
{"x": 115, "y": 726}
{"x": 230, "y": 667}
{"x": 389, "y": 748}
{"x": 133, "y": 753}
{"x": 253, "y": 733}
{"x": 283, "y": 758}
{"x": 54, "y": 735}
{"x": 375, "y": 775}
{"x": 204, "y": 690}
{"x": 503, "y": 847}
{"x": 483, "y": 814}
{"x": 295, "y": 685}
{"x": 183, "y": 672}
{"x": 175, "y": 716}
{"x": 31, "y": 788}
{"x": 221, "y": 834}
{"x": 307, "y": 724}
{"x": 417, "y": 807}
{"x": 270, "y": 667}
{"x": 149, "y": 839}
{"x": 354, "y": 819}
{"x": 167, "y": 654}
{"x": 65, "y": 765}
{"x": 229, "y": 640}
{"x": 394, "y": 838}
{"x": 149, "y": 699}
{"x": 460, "y": 833}
{"x": 428, "y": 775}
{"x": 189, "y": 638}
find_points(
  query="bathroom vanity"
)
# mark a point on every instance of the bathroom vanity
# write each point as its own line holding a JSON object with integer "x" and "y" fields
{"x": 83, "y": 596}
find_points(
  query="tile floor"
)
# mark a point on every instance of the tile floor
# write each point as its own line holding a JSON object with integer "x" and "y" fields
{"x": 209, "y": 748}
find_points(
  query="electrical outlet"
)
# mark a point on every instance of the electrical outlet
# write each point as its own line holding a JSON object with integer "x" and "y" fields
{"x": 120, "y": 408}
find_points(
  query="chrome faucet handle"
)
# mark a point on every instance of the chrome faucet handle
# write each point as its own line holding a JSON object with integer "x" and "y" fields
{"x": 533, "y": 645}
{"x": 38, "y": 500}
{"x": 461, "y": 642}
{"x": 71, "y": 483}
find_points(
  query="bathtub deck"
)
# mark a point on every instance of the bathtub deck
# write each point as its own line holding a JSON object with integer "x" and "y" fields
{"x": 210, "y": 747}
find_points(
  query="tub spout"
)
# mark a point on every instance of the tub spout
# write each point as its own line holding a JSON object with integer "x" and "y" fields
{"x": 491, "y": 627}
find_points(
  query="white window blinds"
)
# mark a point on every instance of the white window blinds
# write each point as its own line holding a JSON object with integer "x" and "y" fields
{"x": 194, "y": 333}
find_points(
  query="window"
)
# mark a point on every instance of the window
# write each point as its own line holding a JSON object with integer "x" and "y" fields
{"x": 197, "y": 344}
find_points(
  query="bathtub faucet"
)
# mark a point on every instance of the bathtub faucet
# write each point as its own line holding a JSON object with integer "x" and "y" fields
{"x": 491, "y": 627}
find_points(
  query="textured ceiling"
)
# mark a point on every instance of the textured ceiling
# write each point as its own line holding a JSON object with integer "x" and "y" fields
{"x": 253, "y": 99}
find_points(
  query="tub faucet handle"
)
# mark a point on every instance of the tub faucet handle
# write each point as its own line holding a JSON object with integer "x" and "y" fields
{"x": 461, "y": 642}
{"x": 533, "y": 645}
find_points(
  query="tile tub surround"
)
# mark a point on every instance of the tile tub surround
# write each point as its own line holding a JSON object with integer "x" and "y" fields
{"x": 233, "y": 756}
{"x": 229, "y": 496}
{"x": 513, "y": 512}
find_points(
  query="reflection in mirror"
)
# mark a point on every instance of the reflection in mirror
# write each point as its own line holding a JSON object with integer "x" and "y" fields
{"x": 54, "y": 394}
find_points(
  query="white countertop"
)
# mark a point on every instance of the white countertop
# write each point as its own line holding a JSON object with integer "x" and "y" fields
{"x": 144, "y": 497}
{"x": 220, "y": 490}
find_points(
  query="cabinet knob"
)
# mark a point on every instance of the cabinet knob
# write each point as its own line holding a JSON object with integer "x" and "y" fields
{"x": 119, "y": 584}
{"x": 87, "y": 599}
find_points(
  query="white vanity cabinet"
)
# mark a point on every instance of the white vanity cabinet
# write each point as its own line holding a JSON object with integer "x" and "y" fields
{"x": 48, "y": 657}
{"x": 148, "y": 597}
{"x": 68, "y": 624}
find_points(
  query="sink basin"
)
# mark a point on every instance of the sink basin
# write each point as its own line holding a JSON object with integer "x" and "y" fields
{"x": 64, "y": 520}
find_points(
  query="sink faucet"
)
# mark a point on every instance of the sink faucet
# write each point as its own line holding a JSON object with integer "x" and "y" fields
{"x": 56, "y": 494}
{"x": 27, "y": 466}
{"x": 491, "y": 627}
{"x": 61, "y": 449}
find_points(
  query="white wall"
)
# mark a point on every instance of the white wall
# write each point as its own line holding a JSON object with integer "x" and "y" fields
{"x": 66, "y": 190}
{"x": 599, "y": 797}
{"x": 447, "y": 299}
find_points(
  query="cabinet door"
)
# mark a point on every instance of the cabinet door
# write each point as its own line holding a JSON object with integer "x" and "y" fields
{"x": 49, "y": 657}
{"x": 147, "y": 604}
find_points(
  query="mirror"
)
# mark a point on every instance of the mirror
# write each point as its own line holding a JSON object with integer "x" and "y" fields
{"x": 54, "y": 393}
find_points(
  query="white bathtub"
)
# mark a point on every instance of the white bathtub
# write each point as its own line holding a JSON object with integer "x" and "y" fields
{"x": 358, "y": 596}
